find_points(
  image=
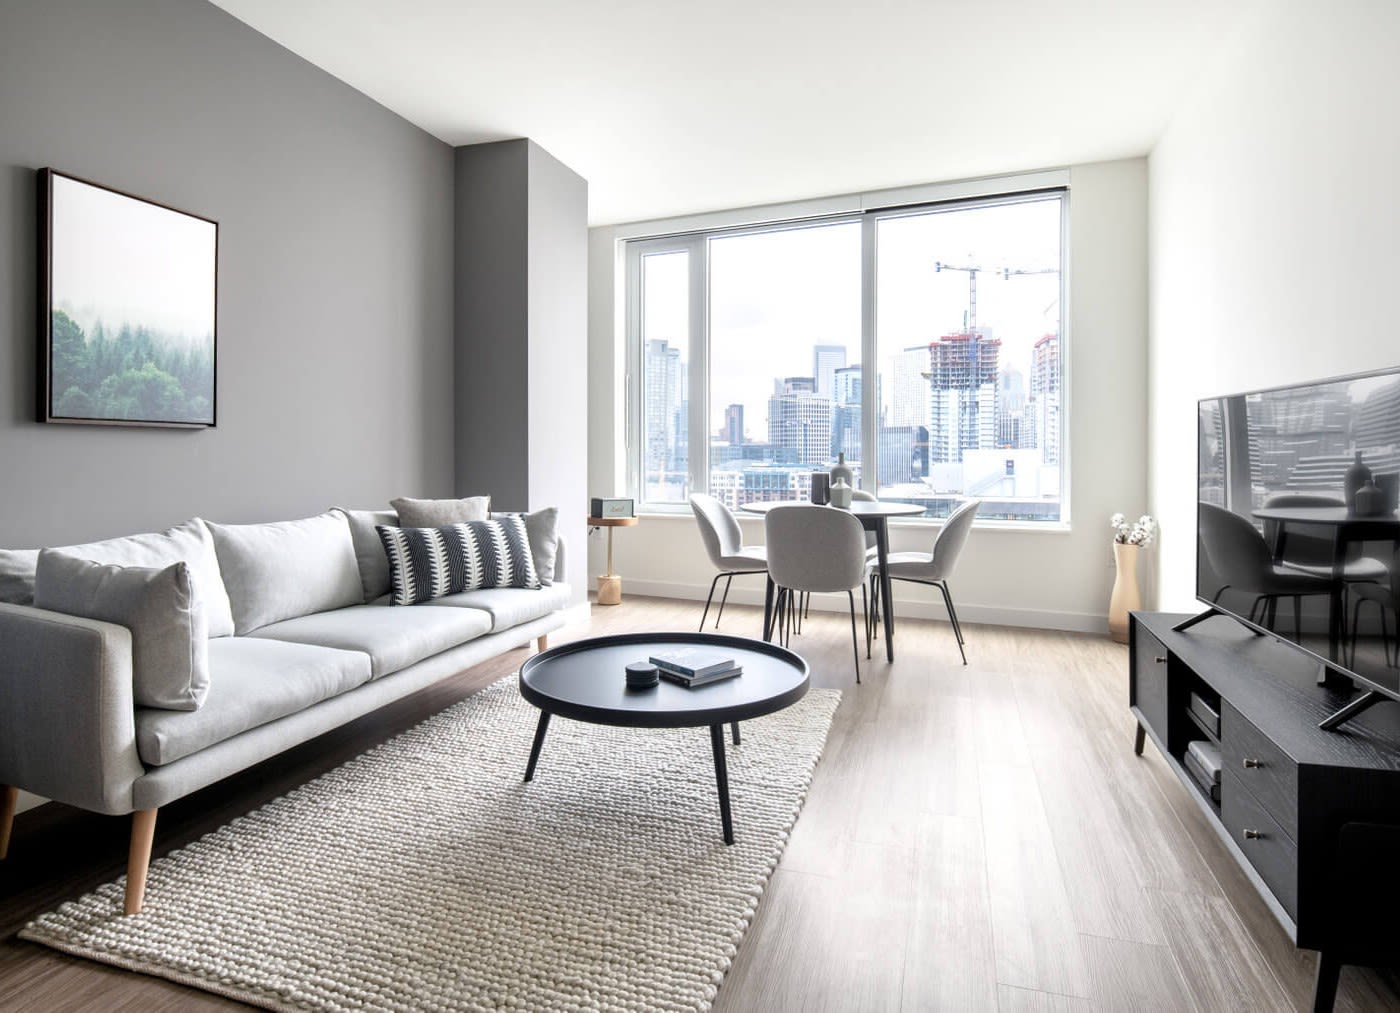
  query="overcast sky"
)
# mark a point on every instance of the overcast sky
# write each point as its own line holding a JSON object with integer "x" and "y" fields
{"x": 775, "y": 295}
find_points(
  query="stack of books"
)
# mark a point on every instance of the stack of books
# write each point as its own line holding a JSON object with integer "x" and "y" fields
{"x": 695, "y": 666}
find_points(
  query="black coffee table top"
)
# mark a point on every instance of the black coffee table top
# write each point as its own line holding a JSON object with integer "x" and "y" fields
{"x": 587, "y": 681}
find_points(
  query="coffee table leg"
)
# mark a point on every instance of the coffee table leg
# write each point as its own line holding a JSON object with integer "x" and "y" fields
{"x": 722, "y": 780}
{"x": 735, "y": 727}
{"x": 540, "y": 729}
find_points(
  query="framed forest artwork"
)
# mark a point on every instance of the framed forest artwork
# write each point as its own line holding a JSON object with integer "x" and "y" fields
{"x": 127, "y": 306}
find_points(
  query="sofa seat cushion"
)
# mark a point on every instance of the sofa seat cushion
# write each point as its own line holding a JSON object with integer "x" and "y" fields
{"x": 393, "y": 637}
{"x": 251, "y": 682}
{"x": 509, "y": 606}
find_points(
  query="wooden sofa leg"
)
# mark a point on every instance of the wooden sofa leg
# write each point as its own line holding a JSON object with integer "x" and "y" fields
{"x": 138, "y": 860}
{"x": 542, "y": 642}
{"x": 9, "y": 800}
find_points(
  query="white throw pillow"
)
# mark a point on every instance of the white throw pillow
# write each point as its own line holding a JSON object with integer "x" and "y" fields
{"x": 189, "y": 542}
{"x": 369, "y": 550}
{"x": 287, "y": 569}
{"x": 161, "y": 608}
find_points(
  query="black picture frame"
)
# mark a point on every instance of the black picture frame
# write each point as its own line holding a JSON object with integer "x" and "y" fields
{"x": 127, "y": 306}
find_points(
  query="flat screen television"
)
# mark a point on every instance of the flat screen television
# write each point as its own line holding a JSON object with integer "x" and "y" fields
{"x": 1298, "y": 535}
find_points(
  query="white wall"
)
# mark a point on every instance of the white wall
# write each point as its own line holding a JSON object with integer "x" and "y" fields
{"x": 1058, "y": 580}
{"x": 1274, "y": 208}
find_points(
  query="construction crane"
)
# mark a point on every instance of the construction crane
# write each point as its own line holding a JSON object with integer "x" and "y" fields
{"x": 973, "y": 270}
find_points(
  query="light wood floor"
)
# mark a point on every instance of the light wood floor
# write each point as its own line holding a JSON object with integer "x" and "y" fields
{"x": 976, "y": 837}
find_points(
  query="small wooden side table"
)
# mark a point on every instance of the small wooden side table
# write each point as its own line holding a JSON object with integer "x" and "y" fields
{"x": 610, "y": 584}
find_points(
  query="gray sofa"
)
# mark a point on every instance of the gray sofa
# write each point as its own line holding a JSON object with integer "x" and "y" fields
{"x": 301, "y": 639}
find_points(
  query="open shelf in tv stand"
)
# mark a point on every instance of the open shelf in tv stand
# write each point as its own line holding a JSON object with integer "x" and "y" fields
{"x": 1306, "y": 813}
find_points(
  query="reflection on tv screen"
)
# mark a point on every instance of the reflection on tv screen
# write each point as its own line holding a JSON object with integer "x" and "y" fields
{"x": 1297, "y": 528}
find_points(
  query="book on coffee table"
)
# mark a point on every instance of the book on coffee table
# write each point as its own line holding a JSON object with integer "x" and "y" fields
{"x": 692, "y": 681}
{"x": 694, "y": 662}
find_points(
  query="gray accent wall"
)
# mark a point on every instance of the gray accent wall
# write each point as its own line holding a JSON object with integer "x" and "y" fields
{"x": 335, "y": 326}
{"x": 522, "y": 341}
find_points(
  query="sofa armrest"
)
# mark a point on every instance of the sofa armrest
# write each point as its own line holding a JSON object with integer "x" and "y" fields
{"x": 67, "y": 717}
{"x": 559, "y": 577}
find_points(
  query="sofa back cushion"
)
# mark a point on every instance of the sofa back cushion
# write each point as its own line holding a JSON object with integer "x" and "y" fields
{"x": 369, "y": 550}
{"x": 17, "y": 575}
{"x": 430, "y": 563}
{"x": 189, "y": 542}
{"x": 161, "y": 607}
{"x": 286, "y": 569}
{"x": 435, "y": 513}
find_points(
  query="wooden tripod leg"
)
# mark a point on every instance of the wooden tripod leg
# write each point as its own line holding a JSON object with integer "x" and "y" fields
{"x": 9, "y": 800}
{"x": 138, "y": 860}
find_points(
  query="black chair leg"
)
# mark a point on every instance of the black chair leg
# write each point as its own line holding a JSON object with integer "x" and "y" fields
{"x": 865, "y": 617}
{"x": 729, "y": 579}
{"x": 710, "y": 598}
{"x": 855, "y": 643}
{"x": 953, "y": 618}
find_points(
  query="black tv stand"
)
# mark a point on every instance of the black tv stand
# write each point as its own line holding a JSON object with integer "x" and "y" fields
{"x": 1304, "y": 811}
{"x": 1209, "y": 613}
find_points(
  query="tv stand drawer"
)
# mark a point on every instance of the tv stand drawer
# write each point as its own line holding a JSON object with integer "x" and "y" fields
{"x": 1261, "y": 767}
{"x": 1272, "y": 852}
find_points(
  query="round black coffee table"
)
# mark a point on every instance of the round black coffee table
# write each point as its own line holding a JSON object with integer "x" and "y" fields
{"x": 586, "y": 681}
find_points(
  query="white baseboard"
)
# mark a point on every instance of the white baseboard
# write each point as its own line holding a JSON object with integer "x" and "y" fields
{"x": 749, "y": 591}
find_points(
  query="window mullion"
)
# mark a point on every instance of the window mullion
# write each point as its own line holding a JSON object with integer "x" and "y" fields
{"x": 870, "y": 369}
{"x": 698, "y": 383}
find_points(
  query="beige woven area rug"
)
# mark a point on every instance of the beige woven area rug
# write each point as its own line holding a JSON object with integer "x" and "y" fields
{"x": 424, "y": 875}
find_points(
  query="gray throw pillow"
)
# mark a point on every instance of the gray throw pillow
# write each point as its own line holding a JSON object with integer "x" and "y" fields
{"x": 189, "y": 542}
{"x": 161, "y": 608}
{"x": 369, "y": 550}
{"x": 17, "y": 575}
{"x": 542, "y": 527}
{"x": 437, "y": 513}
{"x": 287, "y": 569}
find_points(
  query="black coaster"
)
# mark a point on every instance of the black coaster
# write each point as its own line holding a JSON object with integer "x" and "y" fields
{"x": 642, "y": 675}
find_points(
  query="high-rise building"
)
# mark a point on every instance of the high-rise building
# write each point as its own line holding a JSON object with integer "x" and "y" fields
{"x": 826, "y": 360}
{"x": 903, "y": 454}
{"x": 799, "y": 422}
{"x": 1011, "y": 408}
{"x": 1046, "y": 396}
{"x": 962, "y": 393}
{"x": 664, "y": 381}
{"x": 845, "y": 413}
{"x": 734, "y": 424}
{"x": 845, "y": 385}
{"x": 908, "y": 387}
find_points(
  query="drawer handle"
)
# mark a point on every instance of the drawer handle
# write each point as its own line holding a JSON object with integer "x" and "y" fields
{"x": 1253, "y": 835}
{"x": 1160, "y": 659}
{"x": 1252, "y": 764}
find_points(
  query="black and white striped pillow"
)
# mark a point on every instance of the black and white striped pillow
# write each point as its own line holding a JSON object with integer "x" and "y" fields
{"x": 429, "y": 563}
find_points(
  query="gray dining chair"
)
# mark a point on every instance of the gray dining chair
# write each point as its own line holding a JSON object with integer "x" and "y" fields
{"x": 936, "y": 566}
{"x": 724, "y": 544}
{"x": 1305, "y": 551}
{"x": 1386, "y": 597}
{"x": 1242, "y": 560}
{"x": 815, "y": 550}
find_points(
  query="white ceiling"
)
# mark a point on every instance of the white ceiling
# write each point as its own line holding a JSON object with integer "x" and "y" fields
{"x": 668, "y": 108}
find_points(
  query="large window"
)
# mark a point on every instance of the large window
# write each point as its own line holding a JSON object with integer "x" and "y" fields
{"x": 750, "y": 350}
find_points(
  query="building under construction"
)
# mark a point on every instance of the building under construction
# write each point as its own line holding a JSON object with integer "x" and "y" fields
{"x": 962, "y": 380}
